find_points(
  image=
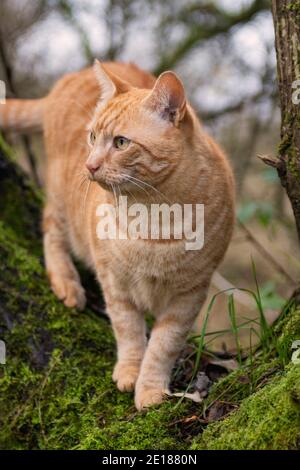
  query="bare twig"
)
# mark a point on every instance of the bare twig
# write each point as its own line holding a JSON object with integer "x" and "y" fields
{"x": 261, "y": 249}
{"x": 269, "y": 160}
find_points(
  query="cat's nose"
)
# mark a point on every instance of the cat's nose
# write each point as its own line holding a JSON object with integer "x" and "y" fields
{"x": 92, "y": 167}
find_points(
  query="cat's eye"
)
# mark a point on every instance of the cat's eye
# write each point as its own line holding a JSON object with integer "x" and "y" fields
{"x": 121, "y": 143}
{"x": 92, "y": 137}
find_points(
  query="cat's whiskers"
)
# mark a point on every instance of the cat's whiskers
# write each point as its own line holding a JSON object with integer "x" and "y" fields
{"x": 115, "y": 196}
{"x": 86, "y": 194}
{"x": 143, "y": 183}
{"x": 81, "y": 173}
{"x": 82, "y": 176}
{"x": 128, "y": 178}
{"x": 82, "y": 179}
{"x": 119, "y": 191}
{"x": 132, "y": 195}
{"x": 152, "y": 187}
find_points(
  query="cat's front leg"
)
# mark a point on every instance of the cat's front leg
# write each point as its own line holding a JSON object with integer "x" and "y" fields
{"x": 167, "y": 339}
{"x": 130, "y": 331}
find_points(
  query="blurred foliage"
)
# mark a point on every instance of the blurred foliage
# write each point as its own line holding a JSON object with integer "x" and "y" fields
{"x": 269, "y": 298}
{"x": 262, "y": 211}
{"x": 270, "y": 175}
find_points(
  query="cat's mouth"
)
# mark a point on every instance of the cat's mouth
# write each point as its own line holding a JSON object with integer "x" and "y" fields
{"x": 108, "y": 182}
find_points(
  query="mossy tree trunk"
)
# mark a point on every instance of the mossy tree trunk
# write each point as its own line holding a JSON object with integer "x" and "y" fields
{"x": 56, "y": 390}
{"x": 286, "y": 15}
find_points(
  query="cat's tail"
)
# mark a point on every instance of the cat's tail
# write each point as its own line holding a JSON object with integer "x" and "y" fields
{"x": 24, "y": 116}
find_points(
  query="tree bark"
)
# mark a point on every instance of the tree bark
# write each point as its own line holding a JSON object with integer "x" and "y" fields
{"x": 286, "y": 15}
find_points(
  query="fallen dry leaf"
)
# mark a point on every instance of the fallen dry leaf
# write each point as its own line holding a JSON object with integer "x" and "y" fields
{"x": 192, "y": 396}
{"x": 229, "y": 364}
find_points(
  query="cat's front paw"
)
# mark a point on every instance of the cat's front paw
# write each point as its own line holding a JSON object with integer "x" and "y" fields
{"x": 148, "y": 396}
{"x": 125, "y": 375}
{"x": 70, "y": 291}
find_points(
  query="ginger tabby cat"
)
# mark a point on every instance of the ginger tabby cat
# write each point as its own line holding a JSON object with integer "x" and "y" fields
{"x": 115, "y": 126}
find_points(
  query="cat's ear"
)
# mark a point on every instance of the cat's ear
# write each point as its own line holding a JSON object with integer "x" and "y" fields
{"x": 168, "y": 98}
{"x": 110, "y": 84}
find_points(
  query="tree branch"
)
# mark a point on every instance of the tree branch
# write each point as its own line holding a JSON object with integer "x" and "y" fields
{"x": 67, "y": 11}
{"x": 261, "y": 249}
{"x": 199, "y": 32}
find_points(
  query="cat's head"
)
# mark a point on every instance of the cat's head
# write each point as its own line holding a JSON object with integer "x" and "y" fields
{"x": 136, "y": 135}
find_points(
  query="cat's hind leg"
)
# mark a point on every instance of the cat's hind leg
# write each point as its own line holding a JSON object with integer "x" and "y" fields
{"x": 63, "y": 276}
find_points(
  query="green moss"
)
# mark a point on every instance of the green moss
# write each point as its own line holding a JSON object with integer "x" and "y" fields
{"x": 20, "y": 202}
{"x": 287, "y": 330}
{"x": 292, "y": 162}
{"x": 267, "y": 397}
{"x": 294, "y": 7}
{"x": 7, "y": 150}
{"x": 56, "y": 390}
{"x": 287, "y": 148}
{"x": 269, "y": 419}
{"x": 284, "y": 144}
{"x": 266, "y": 366}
